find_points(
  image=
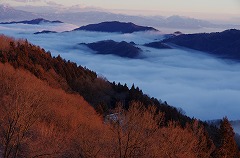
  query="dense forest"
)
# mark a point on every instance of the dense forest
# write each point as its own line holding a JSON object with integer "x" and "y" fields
{"x": 51, "y": 107}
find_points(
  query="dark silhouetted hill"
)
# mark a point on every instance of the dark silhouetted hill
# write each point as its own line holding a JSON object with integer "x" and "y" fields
{"x": 122, "y": 49}
{"x": 224, "y": 44}
{"x": 33, "y": 22}
{"x": 44, "y": 32}
{"x": 115, "y": 26}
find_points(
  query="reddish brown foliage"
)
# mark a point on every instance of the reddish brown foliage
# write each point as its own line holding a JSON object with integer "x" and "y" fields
{"x": 39, "y": 118}
{"x": 45, "y": 120}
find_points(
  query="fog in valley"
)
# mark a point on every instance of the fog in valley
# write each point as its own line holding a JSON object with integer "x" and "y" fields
{"x": 203, "y": 86}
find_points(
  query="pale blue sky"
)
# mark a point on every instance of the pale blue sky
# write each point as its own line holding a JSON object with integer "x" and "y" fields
{"x": 227, "y": 6}
{"x": 204, "y": 8}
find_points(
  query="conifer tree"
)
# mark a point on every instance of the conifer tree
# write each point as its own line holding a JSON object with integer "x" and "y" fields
{"x": 228, "y": 147}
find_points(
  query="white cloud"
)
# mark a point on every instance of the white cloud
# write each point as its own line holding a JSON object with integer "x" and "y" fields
{"x": 201, "y": 85}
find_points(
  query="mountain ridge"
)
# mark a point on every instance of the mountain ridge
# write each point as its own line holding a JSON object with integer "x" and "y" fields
{"x": 8, "y": 14}
{"x": 44, "y": 32}
{"x": 88, "y": 17}
{"x": 33, "y": 22}
{"x": 122, "y": 49}
{"x": 225, "y": 44}
{"x": 115, "y": 26}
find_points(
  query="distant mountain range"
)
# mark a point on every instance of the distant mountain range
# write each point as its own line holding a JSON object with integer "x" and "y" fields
{"x": 33, "y": 22}
{"x": 115, "y": 26}
{"x": 122, "y": 49}
{"x": 224, "y": 44}
{"x": 8, "y": 14}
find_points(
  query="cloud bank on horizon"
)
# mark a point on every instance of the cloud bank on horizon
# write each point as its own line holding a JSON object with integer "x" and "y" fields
{"x": 203, "y": 86}
{"x": 205, "y": 9}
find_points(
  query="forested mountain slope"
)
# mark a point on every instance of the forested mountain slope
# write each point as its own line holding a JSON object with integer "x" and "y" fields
{"x": 59, "y": 73}
{"x": 43, "y": 114}
{"x": 39, "y": 121}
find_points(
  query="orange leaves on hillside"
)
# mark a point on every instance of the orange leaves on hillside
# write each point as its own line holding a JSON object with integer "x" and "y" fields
{"x": 5, "y": 41}
{"x": 37, "y": 120}
{"x": 34, "y": 116}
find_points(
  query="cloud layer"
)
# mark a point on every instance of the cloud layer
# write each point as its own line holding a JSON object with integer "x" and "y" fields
{"x": 203, "y": 86}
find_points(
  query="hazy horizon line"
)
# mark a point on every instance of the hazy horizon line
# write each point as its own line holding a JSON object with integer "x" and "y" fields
{"x": 212, "y": 17}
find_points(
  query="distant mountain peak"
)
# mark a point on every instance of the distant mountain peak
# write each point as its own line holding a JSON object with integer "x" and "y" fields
{"x": 115, "y": 26}
{"x": 40, "y": 20}
{"x": 34, "y": 21}
{"x": 122, "y": 49}
{"x": 5, "y": 8}
{"x": 8, "y": 13}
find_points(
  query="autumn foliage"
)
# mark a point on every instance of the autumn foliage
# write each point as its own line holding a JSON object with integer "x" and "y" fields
{"x": 39, "y": 121}
{"x": 47, "y": 110}
{"x": 59, "y": 73}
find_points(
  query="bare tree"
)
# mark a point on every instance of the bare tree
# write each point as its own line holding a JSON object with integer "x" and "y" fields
{"x": 133, "y": 130}
{"x": 175, "y": 141}
{"x": 21, "y": 104}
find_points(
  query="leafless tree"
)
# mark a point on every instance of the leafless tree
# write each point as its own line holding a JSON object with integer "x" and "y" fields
{"x": 133, "y": 130}
{"x": 21, "y": 104}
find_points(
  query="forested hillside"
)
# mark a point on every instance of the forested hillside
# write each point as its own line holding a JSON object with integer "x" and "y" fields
{"x": 224, "y": 44}
{"x": 44, "y": 114}
{"x": 59, "y": 73}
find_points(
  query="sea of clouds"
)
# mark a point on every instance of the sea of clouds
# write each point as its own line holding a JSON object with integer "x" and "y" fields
{"x": 203, "y": 86}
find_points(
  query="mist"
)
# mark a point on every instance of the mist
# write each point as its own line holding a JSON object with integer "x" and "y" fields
{"x": 203, "y": 86}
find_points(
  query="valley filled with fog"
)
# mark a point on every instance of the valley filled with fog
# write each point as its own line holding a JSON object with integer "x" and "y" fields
{"x": 203, "y": 86}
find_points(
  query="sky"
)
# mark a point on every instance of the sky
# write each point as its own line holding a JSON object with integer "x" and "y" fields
{"x": 203, "y": 8}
